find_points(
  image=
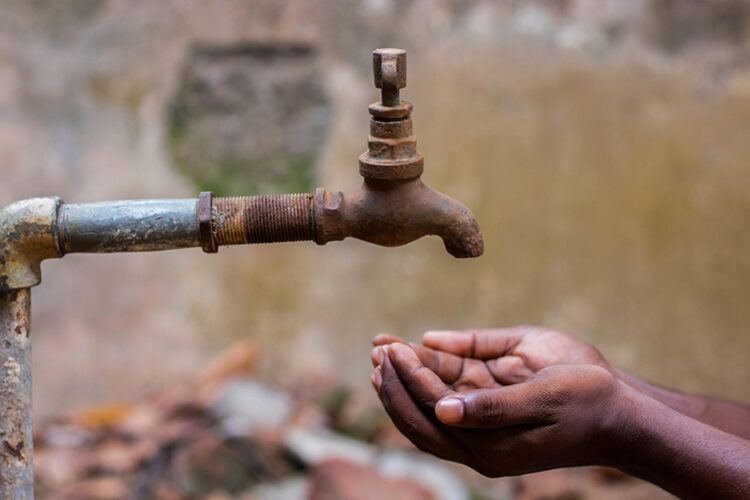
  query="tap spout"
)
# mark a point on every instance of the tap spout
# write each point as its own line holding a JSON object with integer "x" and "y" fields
{"x": 391, "y": 215}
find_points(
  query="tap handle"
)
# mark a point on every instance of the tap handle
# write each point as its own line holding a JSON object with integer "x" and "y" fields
{"x": 389, "y": 68}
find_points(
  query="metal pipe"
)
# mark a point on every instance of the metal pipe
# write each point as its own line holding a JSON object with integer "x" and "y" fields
{"x": 150, "y": 225}
{"x": 128, "y": 226}
{"x": 16, "y": 445}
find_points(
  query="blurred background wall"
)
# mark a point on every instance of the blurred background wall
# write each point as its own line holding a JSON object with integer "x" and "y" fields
{"x": 603, "y": 145}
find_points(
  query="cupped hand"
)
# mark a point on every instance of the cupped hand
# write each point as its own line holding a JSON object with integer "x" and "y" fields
{"x": 485, "y": 358}
{"x": 560, "y": 415}
{"x": 459, "y": 372}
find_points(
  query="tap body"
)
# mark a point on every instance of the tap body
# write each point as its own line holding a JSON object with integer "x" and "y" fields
{"x": 394, "y": 207}
{"x": 391, "y": 208}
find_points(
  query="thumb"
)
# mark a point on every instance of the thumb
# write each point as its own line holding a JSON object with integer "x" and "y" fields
{"x": 524, "y": 403}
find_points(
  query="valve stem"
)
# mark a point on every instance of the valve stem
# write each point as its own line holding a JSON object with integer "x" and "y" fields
{"x": 389, "y": 69}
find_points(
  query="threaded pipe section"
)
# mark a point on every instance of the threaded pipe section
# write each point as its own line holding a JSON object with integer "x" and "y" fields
{"x": 262, "y": 219}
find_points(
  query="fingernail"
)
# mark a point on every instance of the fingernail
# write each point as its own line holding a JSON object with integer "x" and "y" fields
{"x": 450, "y": 410}
{"x": 381, "y": 354}
{"x": 374, "y": 357}
{"x": 377, "y": 379}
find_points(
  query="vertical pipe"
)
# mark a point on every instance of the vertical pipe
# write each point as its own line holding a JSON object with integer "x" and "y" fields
{"x": 16, "y": 446}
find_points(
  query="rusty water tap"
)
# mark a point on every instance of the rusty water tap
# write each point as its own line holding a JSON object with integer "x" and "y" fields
{"x": 392, "y": 207}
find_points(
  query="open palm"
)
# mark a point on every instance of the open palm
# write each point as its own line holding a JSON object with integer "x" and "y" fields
{"x": 481, "y": 359}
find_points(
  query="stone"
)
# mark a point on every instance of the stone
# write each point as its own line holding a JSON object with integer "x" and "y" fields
{"x": 316, "y": 446}
{"x": 243, "y": 406}
{"x": 293, "y": 488}
{"x": 342, "y": 480}
{"x": 427, "y": 471}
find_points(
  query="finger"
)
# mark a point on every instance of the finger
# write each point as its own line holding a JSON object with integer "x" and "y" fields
{"x": 376, "y": 355}
{"x": 423, "y": 384}
{"x": 519, "y": 404}
{"x": 480, "y": 344}
{"x": 385, "y": 339}
{"x": 509, "y": 369}
{"x": 447, "y": 366}
{"x": 376, "y": 379}
{"x": 410, "y": 420}
{"x": 475, "y": 375}
{"x": 459, "y": 372}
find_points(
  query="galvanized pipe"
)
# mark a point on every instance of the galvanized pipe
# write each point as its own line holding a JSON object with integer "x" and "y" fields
{"x": 128, "y": 226}
{"x": 167, "y": 224}
{"x": 16, "y": 446}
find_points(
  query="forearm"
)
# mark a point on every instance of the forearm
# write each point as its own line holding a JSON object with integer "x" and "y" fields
{"x": 733, "y": 418}
{"x": 684, "y": 456}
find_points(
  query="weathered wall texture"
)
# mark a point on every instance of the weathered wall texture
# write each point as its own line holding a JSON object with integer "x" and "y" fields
{"x": 604, "y": 147}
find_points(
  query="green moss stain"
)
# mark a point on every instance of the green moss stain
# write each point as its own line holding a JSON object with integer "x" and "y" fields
{"x": 239, "y": 126}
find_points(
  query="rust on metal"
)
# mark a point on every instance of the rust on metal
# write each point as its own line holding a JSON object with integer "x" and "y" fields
{"x": 16, "y": 445}
{"x": 263, "y": 219}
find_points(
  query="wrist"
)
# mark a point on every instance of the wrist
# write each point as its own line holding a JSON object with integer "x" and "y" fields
{"x": 682, "y": 455}
{"x": 635, "y": 382}
{"x": 687, "y": 405}
{"x": 625, "y": 428}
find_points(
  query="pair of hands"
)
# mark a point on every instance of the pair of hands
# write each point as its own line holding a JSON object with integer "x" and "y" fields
{"x": 505, "y": 401}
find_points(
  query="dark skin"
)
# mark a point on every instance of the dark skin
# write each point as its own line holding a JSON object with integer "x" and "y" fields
{"x": 525, "y": 399}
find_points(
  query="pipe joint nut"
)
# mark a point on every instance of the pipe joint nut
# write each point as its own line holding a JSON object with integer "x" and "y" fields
{"x": 329, "y": 216}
